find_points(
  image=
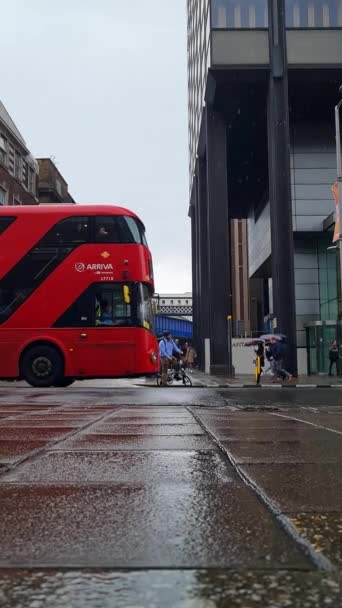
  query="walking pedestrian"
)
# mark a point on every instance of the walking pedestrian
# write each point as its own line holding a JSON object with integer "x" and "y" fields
{"x": 190, "y": 357}
{"x": 167, "y": 347}
{"x": 277, "y": 352}
{"x": 334, "y": 356}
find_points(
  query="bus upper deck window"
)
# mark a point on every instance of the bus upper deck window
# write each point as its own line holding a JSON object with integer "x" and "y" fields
{"x": 5, "y": 222}
{"x": 107, "y": 230}
{"x": 72, "y": 230}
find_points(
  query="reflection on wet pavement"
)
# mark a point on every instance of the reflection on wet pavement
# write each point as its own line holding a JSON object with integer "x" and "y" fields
{"x": 158, "y": 525}
{"x": 168, "y": 589}
{"x": 93, "y": 442}
{"x": 155, "y": 485}
{"x": 124, "y": 467}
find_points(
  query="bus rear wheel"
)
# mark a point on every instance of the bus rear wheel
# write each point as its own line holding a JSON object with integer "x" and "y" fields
{"x": 42, "y": 366}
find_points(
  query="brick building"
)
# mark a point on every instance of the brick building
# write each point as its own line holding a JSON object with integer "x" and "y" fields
{"x": 18, "y": 168}
{"x": 52, "y": 187}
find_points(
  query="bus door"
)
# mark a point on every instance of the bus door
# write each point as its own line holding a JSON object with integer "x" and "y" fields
{"x": 102, "y": 340}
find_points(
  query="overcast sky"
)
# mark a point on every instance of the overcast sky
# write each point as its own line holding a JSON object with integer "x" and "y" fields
{"x": 100, "y": 85}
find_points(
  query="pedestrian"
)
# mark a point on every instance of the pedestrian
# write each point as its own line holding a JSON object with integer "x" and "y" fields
{"x": 277, "y": 352}
{"x": 167, "y": 348}
{"x": 190, "y": 357}
{"x": 333, "y": 357}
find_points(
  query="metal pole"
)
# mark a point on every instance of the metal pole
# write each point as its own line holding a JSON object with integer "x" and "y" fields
{"x": 230, "y": 346}
{"x": 339, "y": 182}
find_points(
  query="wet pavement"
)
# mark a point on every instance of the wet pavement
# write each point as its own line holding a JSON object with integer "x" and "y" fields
{"x": 184, "y": 498}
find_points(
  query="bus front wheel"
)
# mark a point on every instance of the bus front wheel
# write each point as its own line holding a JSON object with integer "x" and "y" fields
{"x": 64, "y": 382}
{"x": 42, "y": 365}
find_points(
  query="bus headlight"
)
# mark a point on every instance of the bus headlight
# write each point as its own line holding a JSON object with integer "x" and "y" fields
{"x": 153, "y": 357}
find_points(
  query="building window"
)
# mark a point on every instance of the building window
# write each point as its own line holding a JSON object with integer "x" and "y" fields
{"x": 163, "y": 301}
{"x": 3, "y": 196}
{"x": 309, "y": 14}
{"x": 237, "y": 14}
{"x": 59, "y": 187}
{"x": 25, "y": 174}
{"x": 17, "y": 165}
{"x": 31, "y": 180}
{"x": 3, "y": 150}
{"x": 16, "y": 201}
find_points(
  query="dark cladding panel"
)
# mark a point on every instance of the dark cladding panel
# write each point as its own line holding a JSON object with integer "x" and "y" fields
{"x": 280, "y": 186}
{"x": 219, "y": 252}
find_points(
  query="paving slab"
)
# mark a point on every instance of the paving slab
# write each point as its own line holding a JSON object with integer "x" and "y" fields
{"x": 307, "y": 433}
{"x": 12, "y": 451}
{"x": 168, "y": 589}
{"x": 300, "y": 487}
{"x": 285, "y": 451}
{"x": 147, "y": 429}
{"x": 61, "y": 416}
{"x": 193, "y": 468}
{"x": 271, "y": 422}
{"x": 45, "y": 423}
{"x": 328, "y": 420}
{"x": 34, "y": 434}
{"x": 127, "y": 526}
{"x": 95, "y": 442}
{"x": 150, "y": 420}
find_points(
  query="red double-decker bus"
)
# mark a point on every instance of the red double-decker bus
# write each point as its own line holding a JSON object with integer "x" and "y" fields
{"x": 75, "y": 294}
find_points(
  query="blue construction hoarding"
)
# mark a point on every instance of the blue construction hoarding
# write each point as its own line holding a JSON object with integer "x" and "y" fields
{"x": 180, "y": 328}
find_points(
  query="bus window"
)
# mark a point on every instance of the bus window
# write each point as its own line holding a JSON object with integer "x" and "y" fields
{"x": 107, "y": 230}
{"x": 113, "y": 309}
{"x": 145, "y": 313}
{"x": 136, "y": 229}
{"x": 133, "y": 229}
{"x": 119, "y": 229}
{"x": 73, "y": 230}
{"x": 27, "y": 275}
{"x": 5, "y": 222}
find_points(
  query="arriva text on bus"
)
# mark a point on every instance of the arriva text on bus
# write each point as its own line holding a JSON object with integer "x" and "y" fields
{"x": 81, "y": 267}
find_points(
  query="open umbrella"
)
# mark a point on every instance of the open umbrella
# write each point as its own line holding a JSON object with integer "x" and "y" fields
{"x": 268, "y": 337}
{"x": 254, "y": 342}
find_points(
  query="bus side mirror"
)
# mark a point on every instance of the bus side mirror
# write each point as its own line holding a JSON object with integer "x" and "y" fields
{"x": 126, "y": 294}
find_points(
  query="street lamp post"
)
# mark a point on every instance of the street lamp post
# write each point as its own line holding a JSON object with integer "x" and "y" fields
{"x": 339, "y": 182}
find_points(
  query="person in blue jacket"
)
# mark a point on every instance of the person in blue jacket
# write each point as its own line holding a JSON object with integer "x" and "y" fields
{"x": 278, "y": 352}
{"x": 167, "y": 348}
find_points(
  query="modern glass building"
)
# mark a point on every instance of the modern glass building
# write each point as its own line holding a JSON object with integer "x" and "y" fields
{"x": 263, "y": 82}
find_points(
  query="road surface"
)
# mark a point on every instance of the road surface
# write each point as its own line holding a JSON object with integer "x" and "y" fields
{"x": 126, "y": 496}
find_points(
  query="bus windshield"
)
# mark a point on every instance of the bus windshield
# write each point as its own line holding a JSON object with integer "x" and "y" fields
{"x": 145, "y": 314}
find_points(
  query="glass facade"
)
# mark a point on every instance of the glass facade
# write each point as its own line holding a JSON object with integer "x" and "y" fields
{"x": 253, "y": 14}
{"x": 319, "y": 334}
{"x": 207, "y": 15}
{"x": 327, "y": 283}
{"x": 239, "y": 14}
{"x": 198, "y": 63}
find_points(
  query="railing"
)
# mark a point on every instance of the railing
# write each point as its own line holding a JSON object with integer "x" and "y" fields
{"x": 253, "y": 14}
